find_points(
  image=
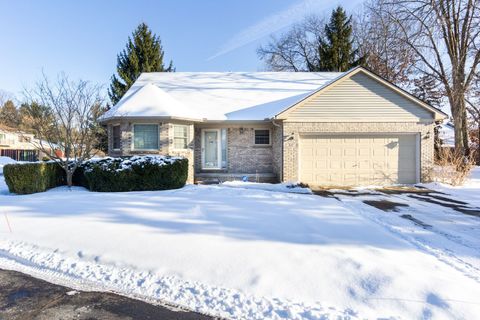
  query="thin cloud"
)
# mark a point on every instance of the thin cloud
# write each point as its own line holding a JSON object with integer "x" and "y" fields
{"x": 275, "y": 22}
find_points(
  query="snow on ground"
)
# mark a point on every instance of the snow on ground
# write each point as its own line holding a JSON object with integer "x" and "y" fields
{"x": 278, "y": 187}
{"x": 4, "y": 161}
{"x": 247, "y": 253}
{"x": 469, "y": 192}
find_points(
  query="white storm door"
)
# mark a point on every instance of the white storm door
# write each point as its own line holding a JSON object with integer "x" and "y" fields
{"x": 211, "y": 151}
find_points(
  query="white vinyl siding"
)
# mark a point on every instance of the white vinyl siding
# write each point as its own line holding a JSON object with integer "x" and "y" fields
{"x": 145, "y": 137}
{"x": 180, "y": 137}
{"x": 352, "y": 160}
{"x": 358, "y": 99}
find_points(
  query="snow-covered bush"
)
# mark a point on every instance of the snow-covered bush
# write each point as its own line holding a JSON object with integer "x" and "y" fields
{"x": 26, "y": 178}
{"x": 135, "y": 173}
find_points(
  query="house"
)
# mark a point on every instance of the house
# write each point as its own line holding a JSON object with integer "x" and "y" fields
{"x": 446, "y": 134}
{"x": 351, "y": 128}
{"x": 17, "y": 144}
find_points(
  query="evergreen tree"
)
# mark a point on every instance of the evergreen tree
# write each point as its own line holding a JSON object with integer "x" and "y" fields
{"x": 336, "y": 52}
{"x": 30, "y": 112}
{"x": 9, "y": 114}
{"x": 143, "y": 53}
{"x": 426, "y": 88}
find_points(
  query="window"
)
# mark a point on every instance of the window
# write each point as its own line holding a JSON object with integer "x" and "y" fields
{"x": 180, "y": 137}
{"x": 145, "y": 136}
{"x": 262, "y": 137}
{"x": 116, "y": 137}
{"x": 24, "y": 139}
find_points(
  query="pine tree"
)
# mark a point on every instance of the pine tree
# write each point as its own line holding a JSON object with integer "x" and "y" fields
{"x": 9, "y": 114}
{"x": 336, "y": 52}
{"x": 143, "y": 53}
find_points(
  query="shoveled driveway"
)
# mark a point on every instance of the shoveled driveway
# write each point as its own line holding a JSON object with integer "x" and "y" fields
{"x": 24, "y": 297}
{"x": 444, "y": 223}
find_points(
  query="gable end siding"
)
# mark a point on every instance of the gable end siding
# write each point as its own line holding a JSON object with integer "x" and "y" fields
{"x": 359, "y": 98}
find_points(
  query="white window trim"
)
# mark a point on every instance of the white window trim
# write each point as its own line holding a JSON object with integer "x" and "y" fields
{"x": 132, "y": 147}
{"x": 219, "y": 149}
{"x": 113, "y": 138}
{"x": 173, "y": 137}
{"x": 269, "y": 137}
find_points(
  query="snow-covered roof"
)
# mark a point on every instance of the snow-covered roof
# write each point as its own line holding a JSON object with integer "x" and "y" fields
{"x": 446, "y": 132}
{"x": 217, "y": 95}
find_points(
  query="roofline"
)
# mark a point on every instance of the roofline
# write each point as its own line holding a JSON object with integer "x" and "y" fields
{"x": 205, "y": 120}
{"x": 149, "y": 117}
{"x": 379, "y": 78}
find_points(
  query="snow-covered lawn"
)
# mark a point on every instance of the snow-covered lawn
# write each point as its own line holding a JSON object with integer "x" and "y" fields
{"x": 250, "y": 253}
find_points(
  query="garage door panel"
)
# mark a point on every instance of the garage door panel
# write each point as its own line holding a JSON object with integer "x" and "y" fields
{"x": 358, "y": 160}
{"x": 321, "y": 151}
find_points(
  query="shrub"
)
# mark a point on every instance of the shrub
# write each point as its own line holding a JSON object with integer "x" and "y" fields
{"x": 137, "y": 173}
{"x": 452, "y": 167}
{"x": 25, "y": 178}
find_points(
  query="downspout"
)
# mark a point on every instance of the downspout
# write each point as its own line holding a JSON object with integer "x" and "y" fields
{"x": 281, "y": 142}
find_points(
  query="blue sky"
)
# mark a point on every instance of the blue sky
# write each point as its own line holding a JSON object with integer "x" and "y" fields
{"x": 82, "y": 38}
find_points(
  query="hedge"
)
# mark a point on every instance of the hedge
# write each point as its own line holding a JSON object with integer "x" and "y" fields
{"x": 25, "y": 178}
{"x": 137, "y": 173}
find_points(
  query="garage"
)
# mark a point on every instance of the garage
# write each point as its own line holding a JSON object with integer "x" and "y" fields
{"x": 349, "y": 160}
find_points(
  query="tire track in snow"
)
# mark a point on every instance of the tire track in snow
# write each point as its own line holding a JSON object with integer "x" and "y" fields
{"x": 444, "y": 255}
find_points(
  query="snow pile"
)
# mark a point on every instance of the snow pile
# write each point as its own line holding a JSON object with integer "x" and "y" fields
{"x": 121, "y": 164}
{"x": 4, "y": 161}
{"x": 277, "y": 187}
{"x": 171, "y": 290}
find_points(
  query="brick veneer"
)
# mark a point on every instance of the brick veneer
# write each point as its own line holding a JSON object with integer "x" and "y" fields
{"x": 293, "y": 130}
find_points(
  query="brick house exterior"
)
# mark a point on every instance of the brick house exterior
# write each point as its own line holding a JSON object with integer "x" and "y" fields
{"x": 358, "y": 125}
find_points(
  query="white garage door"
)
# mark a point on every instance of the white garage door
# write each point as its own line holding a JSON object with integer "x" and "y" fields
{"x": 343, "y": 160}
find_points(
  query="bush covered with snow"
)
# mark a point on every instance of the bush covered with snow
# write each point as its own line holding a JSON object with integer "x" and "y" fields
{"x": 25, "y": 178}
{"x": 135, "y": 173}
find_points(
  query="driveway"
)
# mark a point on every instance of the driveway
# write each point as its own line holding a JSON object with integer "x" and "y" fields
{"x": 445, "y": 223}
{"x": 25, "y": 297}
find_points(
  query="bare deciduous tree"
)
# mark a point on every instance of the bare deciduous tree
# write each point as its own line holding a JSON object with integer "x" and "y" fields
{"x": 297, "y": 49}
{"x": 473, "y": 109}
{"x": 63, "y": 116}
{"x": 445, "y": 36}
{"x": 377, "y": 40}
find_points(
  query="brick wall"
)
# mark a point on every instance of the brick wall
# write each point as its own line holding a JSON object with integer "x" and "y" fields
{"x": 243, "y": 156}
{"x": 165, "y": 142}
{"x": 293, "y": 130}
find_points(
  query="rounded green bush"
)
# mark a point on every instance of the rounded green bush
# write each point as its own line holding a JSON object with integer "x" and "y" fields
{"x": 137, "y": 173}
{"x": 26, "y": 178}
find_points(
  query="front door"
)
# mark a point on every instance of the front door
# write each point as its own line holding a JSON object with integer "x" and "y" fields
{"x": 211, "y": 149}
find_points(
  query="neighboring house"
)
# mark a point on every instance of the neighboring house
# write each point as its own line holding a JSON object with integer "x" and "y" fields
{"x": 21, "y": 146}
{"x": 446, "y": 134}
{"x": 17, "y": 145}
{"x": 351, "y": 128}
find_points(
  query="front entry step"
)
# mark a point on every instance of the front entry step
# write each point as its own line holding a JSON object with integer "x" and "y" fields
{"x": 216, "y": 178}
{"x": 208, "y": 181}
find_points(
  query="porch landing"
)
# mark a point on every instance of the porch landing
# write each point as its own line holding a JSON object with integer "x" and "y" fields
{"x": 216, "y": 177}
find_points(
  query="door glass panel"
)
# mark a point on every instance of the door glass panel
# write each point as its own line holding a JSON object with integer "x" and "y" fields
{"x": 211, "y": 149}
{"x": 224, "y": 148}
